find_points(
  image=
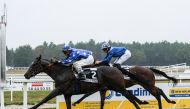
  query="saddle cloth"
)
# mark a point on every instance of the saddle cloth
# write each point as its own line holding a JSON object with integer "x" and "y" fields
{"x": 91, "y": 75}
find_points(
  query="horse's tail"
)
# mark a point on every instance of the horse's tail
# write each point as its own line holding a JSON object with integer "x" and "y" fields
{"x": 164, "y": 74}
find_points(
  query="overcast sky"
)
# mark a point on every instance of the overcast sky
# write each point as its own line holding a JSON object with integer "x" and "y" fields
{"x": 60, "y": 21}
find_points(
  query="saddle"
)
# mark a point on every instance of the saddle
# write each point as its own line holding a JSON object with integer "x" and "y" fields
{"x": 91, "y": 73}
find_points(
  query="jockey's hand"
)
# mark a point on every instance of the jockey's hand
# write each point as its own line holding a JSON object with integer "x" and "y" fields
{"x": 54, "y": 60}
{"x": 98, "y": 62}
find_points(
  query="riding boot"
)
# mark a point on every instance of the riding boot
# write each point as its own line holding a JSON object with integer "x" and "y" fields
{"x": 81, "y": 76}
{"x": 121, "y": 69}
{"x": 117, "y": 65}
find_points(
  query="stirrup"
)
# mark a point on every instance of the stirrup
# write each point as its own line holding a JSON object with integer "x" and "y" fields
{"x": 81, "y": 76}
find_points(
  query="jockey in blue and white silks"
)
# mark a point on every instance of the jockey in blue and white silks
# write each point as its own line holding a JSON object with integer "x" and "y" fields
{"x": 77, "y": 57}
{"x": 121, "y": 54}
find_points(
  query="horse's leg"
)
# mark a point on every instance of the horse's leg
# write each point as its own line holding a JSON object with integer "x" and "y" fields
{"x": 137, "y": 99}
{"x": 83, "y": 97}
{"x": 102, "y": 95}
{"x": 130, "y": 98}
{"x": 156, "y": 93}
{"x": 129, "y": 83}
{"x": 68, "y": 101}
{"x": 53, "y": 94}
{"x": 165, "y": 97}
{"x": 126, "y": 94}
{"x": 158, "y": 97}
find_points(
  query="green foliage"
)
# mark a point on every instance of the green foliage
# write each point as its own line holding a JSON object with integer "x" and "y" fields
{"x": 23, "y": 56}
{"x": 161, "y": 53}
{"x": 10, "y": 57}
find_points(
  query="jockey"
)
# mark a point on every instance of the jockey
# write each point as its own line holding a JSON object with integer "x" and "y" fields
{"x": 121, "y": 53}
{"x": 78, "y": 57}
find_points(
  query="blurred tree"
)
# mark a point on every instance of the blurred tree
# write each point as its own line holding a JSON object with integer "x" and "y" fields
{"x": 23, "y": 56}
{"x": 160, "y": 53}
{"x": 10, "y": 57}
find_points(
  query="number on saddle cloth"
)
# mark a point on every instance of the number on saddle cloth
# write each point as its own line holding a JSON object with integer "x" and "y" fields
{"x": 90, "y": 73}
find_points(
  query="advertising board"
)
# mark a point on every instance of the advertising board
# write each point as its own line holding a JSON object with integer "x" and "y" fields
{"x": 18, "y": 86}
{"x": 180, "y": 93}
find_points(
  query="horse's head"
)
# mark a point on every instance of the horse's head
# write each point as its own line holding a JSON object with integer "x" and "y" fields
{"x": 36, "y": 67}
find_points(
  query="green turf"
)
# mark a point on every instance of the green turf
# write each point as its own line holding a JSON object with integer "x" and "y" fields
{"x": 33, "y": 97}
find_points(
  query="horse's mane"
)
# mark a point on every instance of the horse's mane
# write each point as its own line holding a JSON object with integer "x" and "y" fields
{"x": 57, "y": 64}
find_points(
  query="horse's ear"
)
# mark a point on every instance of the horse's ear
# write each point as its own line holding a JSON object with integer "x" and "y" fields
{"x": 39, "y": 57}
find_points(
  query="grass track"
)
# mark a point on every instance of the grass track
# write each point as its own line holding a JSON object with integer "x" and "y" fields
{"x": 33, "y": 97}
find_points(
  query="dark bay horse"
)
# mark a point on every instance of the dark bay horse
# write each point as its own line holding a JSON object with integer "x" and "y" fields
{"x": 146, "y": 74}
{"x": 66, "y": 83}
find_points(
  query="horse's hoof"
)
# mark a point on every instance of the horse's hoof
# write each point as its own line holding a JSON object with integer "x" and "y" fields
{"x": 74, "y": 104}
{"x": 145, "y": 102}
{"x": 173, "y": 102}
{"x": 33, "y": 108}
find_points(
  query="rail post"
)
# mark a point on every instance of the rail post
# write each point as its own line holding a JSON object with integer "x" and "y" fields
{"x": 25, "y": 96}
{"x": 2, "y": 55}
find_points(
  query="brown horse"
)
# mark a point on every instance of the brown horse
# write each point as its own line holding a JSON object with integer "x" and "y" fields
{"x": 146, "y": 74}
{"x": 66, "y": 83}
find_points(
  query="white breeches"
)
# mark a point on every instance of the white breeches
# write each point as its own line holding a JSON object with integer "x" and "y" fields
{"x": 123, "y": 58}
{"x": 78, "y": 64}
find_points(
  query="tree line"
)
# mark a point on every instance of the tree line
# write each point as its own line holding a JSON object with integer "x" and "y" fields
{"x": 149, "y": 53}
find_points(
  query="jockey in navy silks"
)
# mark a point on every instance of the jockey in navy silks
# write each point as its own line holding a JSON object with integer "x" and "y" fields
{"x": 77, "y": 57}
{"x": 121, "y": 54}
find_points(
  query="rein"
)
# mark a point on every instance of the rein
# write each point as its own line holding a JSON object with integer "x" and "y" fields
{"x": 49, "y": 63}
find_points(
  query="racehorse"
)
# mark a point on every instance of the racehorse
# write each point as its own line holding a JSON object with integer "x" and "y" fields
{"x": 65, "y": 82}
{"x": 146, "y": 74}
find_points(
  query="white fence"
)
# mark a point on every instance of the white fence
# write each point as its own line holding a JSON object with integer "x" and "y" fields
{"x": 18, "y": 78}
{"x": 176, "y": 68}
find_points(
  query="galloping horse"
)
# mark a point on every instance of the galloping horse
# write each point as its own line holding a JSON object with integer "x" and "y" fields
{"x": 66, "y": 83}
{"x": 146, "y": 74}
